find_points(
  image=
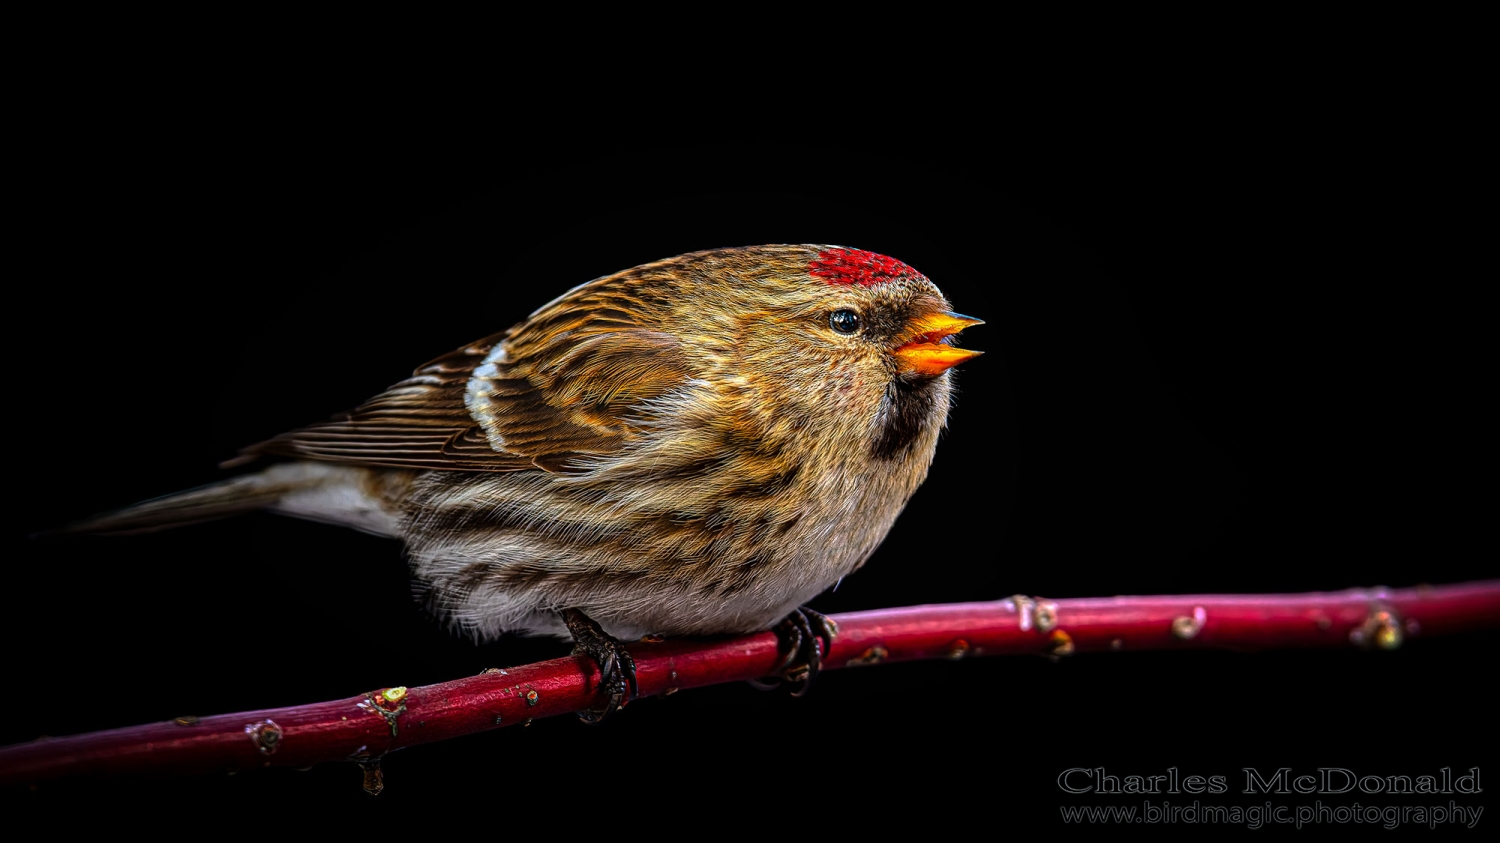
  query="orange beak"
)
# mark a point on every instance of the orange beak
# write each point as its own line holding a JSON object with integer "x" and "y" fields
{"x": 926, "y": 352}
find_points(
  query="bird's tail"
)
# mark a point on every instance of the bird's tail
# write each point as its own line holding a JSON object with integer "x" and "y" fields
{"x": 347, "y": 495}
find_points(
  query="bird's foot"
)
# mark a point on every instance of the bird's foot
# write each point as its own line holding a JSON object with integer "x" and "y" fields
{"x": 616, "y": 667}
{"x": 807, "y": 636}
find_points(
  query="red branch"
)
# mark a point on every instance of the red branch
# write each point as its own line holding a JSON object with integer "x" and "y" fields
{"x": 365, "y": 727}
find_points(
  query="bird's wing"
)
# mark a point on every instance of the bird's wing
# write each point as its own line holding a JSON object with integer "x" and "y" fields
{"x": 538, "y": 396}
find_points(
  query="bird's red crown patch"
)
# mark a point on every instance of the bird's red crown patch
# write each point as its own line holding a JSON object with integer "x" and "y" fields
{"x": 853, "y": 266}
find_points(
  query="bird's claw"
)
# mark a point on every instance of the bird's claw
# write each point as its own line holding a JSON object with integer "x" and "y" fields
{"x": 616, "y": 666}
{"x": 808, "y": 637}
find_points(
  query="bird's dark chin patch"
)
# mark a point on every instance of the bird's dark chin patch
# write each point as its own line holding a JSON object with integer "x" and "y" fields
{"x": 909, "y": 409}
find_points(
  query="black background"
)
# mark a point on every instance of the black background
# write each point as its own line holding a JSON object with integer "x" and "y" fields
{"x": 1227, "y": 350}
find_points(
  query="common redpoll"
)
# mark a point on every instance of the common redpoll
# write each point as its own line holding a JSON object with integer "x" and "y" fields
{"x": 694, "y": 446}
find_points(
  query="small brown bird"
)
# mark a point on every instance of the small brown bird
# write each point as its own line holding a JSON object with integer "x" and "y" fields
{"x": 695, "y": 446}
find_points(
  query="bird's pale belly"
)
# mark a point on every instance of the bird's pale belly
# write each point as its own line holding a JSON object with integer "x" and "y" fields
{"x": 490, "y": 570}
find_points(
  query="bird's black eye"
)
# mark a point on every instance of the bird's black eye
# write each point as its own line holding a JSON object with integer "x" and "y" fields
{"x": 844, "y": 321}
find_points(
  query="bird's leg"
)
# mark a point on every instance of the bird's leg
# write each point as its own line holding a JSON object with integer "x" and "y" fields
{"x": 616, "y": 667}
{"x": 807, "y": 636}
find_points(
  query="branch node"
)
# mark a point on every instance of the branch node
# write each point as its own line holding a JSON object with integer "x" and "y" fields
{"x": 1187, "y": 628}
{"x": 1381, "y": 630}
{"x": 381, "y": 702}
{"x": 1059, "y": 644}
{"x": 266, "y": 735}
{"x": 1046, "y": 616}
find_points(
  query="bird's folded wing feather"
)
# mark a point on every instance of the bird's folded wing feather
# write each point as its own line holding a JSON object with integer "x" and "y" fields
{"x": 567, "y": 386}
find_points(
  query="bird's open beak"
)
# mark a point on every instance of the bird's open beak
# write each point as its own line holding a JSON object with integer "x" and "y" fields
{"x": 926, "y": 352}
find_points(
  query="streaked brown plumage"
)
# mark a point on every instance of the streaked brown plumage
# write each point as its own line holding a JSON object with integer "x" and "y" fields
{"x": 694, "y": 446}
